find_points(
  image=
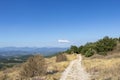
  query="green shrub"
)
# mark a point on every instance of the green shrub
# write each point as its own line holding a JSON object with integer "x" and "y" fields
{"x": 35, "y": 66}
{"x": 68, "y": 51}
{"x": 100, "y": 47}
{"x": 61, "y": 57}
{"x": 89, "y": 53}
{"x": 74, "y": 49}
{"x": 80, "y": 49}
{"x": 88, "y": 46}
{"x": 106, "y": 44}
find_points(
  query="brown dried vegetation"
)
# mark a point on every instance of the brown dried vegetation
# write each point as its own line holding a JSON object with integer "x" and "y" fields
{"x": 35, "y": 66}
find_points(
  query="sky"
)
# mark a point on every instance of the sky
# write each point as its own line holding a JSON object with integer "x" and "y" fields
{"x": 57, "y": 23}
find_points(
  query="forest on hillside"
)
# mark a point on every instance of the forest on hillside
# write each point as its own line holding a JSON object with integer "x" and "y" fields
{"x": 101, "y": 47}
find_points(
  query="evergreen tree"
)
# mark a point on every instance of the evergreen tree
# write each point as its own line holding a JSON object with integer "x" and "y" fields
{"x": 74, "y": 49}
{"x": 89, "y": 53}
{"x": 80, "y": 49}
{"x": 106, "y": 44}
{"x": 101, "y": 47}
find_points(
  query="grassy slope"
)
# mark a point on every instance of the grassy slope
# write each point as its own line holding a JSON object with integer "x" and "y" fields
{"x": 13, "y": 73}
{"x": 103, "y": 68}
{"x": 59, "y": 66}
{"x": 100, "y": 68}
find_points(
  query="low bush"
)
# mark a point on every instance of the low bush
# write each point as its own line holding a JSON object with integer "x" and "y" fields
{"x": 35, "y": 66}
{"x": 61, "y": 57}
{"x": 89, "y": 53}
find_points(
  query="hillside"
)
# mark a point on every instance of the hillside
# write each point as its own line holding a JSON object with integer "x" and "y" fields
{"x": 18, "y": 51}
{"x": 13, "y": 73}
{"x": 10, "y": 56}
{"x": 103, "y": 67}
{"x": 101, "y": 47}
{"x": 97, "y": 66}
{"x": 96, "y": 63}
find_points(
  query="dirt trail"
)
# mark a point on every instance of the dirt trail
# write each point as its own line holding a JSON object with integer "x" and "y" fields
{"x": 75, "y": 71}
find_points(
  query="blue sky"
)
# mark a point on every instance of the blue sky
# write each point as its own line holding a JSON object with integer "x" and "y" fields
{"x": 44, "y": 23}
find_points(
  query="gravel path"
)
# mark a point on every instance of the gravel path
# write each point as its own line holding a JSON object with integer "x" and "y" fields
{"x": 75, "y": 71}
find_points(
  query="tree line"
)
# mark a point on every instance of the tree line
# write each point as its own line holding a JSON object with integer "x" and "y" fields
{"x": 100, "y": 47}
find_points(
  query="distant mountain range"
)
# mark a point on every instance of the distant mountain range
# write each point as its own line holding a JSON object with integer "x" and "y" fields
{"x": 15, "y": 51}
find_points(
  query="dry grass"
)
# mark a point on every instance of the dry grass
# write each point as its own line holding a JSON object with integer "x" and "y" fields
{"x": 13, "y": 73}
{"x": 10, "y": 74}
{"x": 103, "y": 68}
{"x": 58, "y": 66}
{"x": 100, "y": 68}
